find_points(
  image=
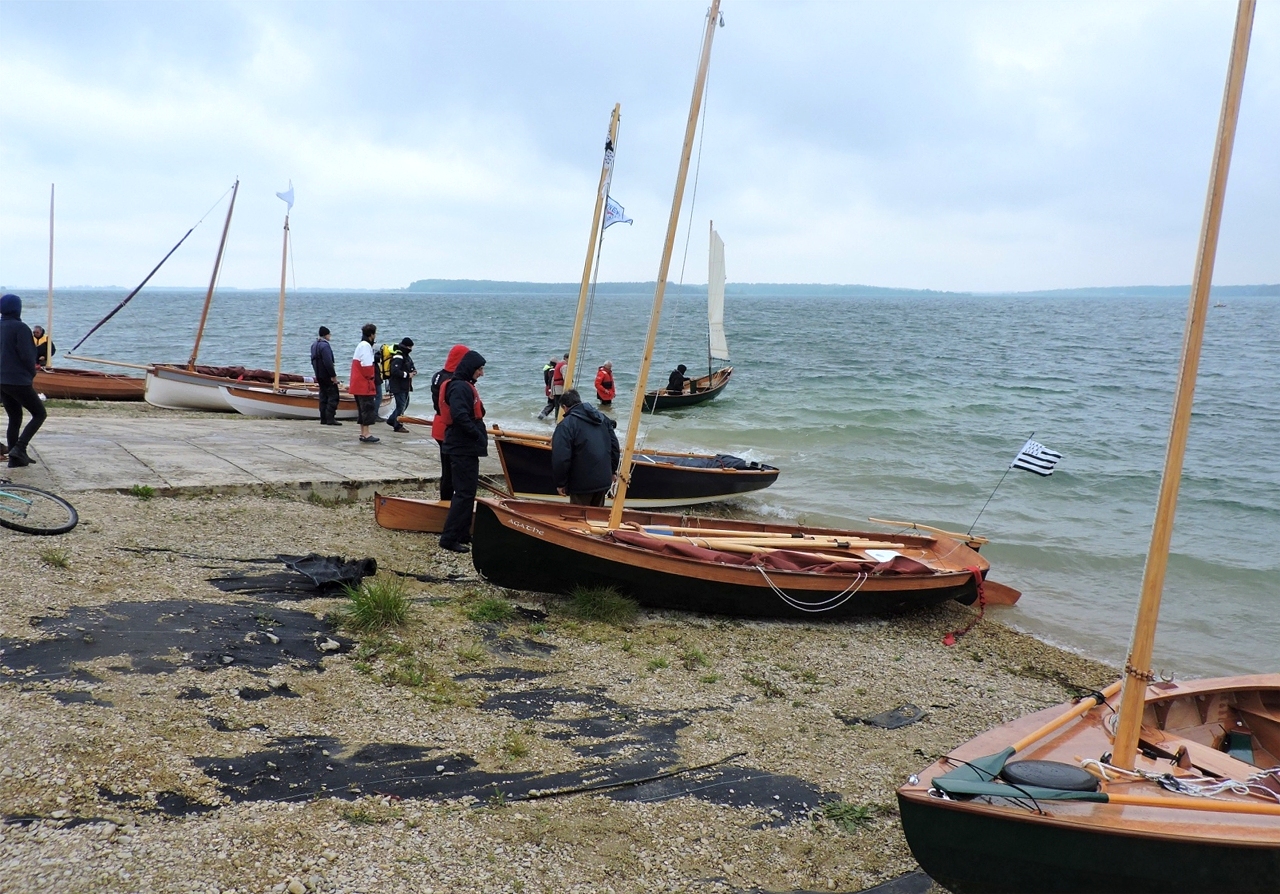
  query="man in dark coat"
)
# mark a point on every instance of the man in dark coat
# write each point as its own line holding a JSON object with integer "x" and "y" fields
{"x": 403, "y": 370}
{"x": 675, "y": 382}
{"x": 17, "y": 372}
{"x": 584, "y": 452}
{"x": 326, "y": 377}
{"x": 465, "y": 441}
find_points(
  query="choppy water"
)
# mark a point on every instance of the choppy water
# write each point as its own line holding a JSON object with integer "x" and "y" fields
{"x": 896, "y": 408}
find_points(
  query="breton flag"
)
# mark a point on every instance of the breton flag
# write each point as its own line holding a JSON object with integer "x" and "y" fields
{"x": 287, "y": 196}
{"x": 1035, "y": 457}
{"x": 613, "y": 213}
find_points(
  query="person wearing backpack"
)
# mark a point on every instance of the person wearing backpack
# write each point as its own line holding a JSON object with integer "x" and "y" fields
{"x": 400, "y": 382}
{"x": 381, "y": 372}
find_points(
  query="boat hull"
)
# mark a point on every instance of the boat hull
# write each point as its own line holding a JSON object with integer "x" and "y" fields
{"x": 287, "y": 405}
{"x": 707, "y": 388}
{"x": 178, "y": 389}
{"x": 87, "y": 384}
{"x": 526, "y": 463}
{"x": 519, "y": 550}
{"x": 410, "y": 514}
{"x": 981, "y": 844}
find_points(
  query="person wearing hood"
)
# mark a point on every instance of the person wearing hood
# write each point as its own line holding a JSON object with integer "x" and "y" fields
{"x": 17, "y": 373}
{"x": 584, "y": 452}
{"x": 465, "y": 441}
{"x": 676, "y": 381}
{"x": 401, "y": 382}
{"x": 456, "y": 353}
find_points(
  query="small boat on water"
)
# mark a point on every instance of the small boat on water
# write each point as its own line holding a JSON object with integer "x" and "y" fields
{"x": 719, "y": 566}
{"x": 1150, "y": 785}
{"x": 65, "y": 383}
{"x": 703, "y": 388}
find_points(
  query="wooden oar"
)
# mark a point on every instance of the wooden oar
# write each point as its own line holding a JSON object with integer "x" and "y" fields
{"x": 749, "y": 549}
{"x": 673, "y": 531}
{"x": 1081, "y": 707}
{"x": 969, "y": 538}
{"x": 107, "y": 362}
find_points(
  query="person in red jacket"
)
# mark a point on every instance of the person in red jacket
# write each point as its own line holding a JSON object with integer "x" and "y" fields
{"x": 363, "y": 387}
{"x": 438, "y": 381}
{"x": 605, "y": 392}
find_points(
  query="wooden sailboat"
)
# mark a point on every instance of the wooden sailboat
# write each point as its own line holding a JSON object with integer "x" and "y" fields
{"x": 704, "y": 388}
{"x": 662, "y": 478}
{"x": 1149, "y": 786}
{"x": 705, "y": 564}
{"x": 78, "y": 384}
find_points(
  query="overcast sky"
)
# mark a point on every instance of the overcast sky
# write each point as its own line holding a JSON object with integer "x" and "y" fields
{"x": 994, "y": 146}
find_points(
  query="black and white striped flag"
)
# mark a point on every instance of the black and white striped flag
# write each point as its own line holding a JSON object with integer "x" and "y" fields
{"x": 1035, "y": 457}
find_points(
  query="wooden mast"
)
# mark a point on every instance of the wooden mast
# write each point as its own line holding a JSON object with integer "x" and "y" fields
{"x": 48, "y": 329}
{"x": 637, "y": 401}
{"x": 1138, "y": 666}
{"x": 284, "y": 266}
{"x": 213, "y": 280}
{"x": 606, "y": 177}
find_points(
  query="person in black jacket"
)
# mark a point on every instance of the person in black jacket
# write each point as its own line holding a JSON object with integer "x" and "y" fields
{"x": 465, "y": 441}
{"x": 584, "y": 452}
{"x": 17, "y": 373}
{"x": 401, "y": 383}
{"x": 675, "y": 382}
{"x": 326, "y": 377}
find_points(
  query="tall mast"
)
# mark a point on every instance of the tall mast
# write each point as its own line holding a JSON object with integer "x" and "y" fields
{"x": 213, "y": 280}
{"x": 48, "y": 329}
{"x": 606, "y": 177}
{"x": 284, "y": 265}
{"x": 637, "y": 402}
{"x": 1138, "y": 666}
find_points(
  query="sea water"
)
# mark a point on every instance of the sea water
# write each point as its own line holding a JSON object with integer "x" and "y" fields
{"x": 898, "y": 408}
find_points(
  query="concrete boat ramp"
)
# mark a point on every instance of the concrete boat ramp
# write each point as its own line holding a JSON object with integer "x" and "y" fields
{"x": 173, "y": 452}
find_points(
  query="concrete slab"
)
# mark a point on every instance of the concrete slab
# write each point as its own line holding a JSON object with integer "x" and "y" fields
{"x": 115, "y": 448}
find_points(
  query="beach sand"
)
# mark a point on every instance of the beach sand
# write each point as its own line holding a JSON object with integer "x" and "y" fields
{"x": 155, "y": 738}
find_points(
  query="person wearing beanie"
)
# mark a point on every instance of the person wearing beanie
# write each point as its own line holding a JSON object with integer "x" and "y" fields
{"x": 456, "y": 353}
{"x": 17, "y": 373}
{"x": 584, "y": 452}
{"x": 465, "y": 441}
{"x": 401, "y": 381}
{"x": 326, "y": 377}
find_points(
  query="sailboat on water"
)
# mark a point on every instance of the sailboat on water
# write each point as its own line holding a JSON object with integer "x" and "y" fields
{"x": 1149, "y": 785}
{"x": 713, "y": 565}
{"x": 704, "y": 388}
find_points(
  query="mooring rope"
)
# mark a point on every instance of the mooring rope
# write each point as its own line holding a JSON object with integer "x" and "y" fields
{"x": 829, "y": 604}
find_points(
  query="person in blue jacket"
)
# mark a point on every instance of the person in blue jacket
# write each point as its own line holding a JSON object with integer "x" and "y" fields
{"x": 17, "y": 373}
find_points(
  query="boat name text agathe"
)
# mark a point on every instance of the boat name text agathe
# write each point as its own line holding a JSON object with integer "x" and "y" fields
{"x": 536, "y": 532}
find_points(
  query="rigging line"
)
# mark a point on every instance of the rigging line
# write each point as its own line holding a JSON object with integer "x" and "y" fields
{"x": 138, "y": 289}
{"x": 993, "y": 492}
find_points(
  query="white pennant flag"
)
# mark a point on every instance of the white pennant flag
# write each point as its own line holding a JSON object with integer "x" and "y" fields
{"x": 1037, "y": 458}
{"x": 613, "y": 213}
{"x": 287, "y": 195}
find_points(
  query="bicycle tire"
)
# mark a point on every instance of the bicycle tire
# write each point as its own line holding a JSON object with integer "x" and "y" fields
{"x": 35, "y": 511}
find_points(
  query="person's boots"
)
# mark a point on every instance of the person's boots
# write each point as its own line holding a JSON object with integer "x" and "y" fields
{"x": 18, "y": 457}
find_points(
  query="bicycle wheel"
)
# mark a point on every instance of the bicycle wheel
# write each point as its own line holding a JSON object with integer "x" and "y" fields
{"x": 34, "y": 511}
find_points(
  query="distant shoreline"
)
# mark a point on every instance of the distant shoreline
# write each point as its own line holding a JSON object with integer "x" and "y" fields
{"x": 744, "y": 290}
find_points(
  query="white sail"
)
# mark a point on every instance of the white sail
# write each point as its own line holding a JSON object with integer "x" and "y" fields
{"x": 715, "y": 299}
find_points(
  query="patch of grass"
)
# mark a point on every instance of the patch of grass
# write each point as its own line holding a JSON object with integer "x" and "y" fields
{"x": 709, "y": 678}
{"x": 142, "y": 491}
{"x": 849, "y": 817}
{"x": 359, "y": 815}
{"x": 537, "y": 628}
{"x": 375, "y": 604}
{"x": 767, "y": 687}
{"x": 515, "y": 744}
{"x": 693, "y": 658}
{"x": 657, "y": 664}
{"x": 55, "y": 558}
{"x": 602, "y": 604}
{"x": 490, "y": 609}
{"x": 315, "y": 498}
{"x": 473, "y": 653}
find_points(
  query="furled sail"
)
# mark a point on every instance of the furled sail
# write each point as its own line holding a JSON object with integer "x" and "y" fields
{"x": 715, "y": 299}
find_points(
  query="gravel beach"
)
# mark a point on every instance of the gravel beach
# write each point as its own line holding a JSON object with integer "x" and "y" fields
{"x": 183, "y": 714}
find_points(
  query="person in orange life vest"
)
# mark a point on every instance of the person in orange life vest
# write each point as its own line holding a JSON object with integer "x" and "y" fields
{"x": 605, "y": 392}
{"x": 362, "y": 386}
{"x": 456, "y": 353}
{"x": 465, "y": 441}
{"x": 557, "y": 389}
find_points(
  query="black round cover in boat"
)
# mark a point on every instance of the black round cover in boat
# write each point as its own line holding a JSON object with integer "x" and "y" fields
{"x": 1050, "y": 774}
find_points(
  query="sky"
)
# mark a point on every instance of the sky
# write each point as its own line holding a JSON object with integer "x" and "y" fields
{"x": 954, "y": 146}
